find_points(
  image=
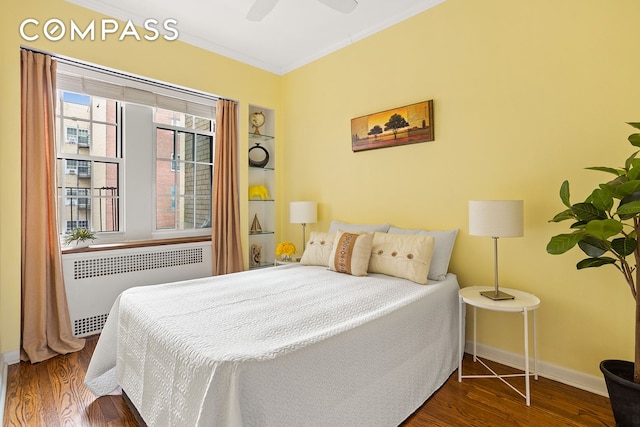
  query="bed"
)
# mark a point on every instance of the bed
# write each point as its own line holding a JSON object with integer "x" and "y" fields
{"x": 293, "y": 345}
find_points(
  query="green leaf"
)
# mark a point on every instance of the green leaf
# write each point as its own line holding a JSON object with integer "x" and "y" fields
{"x": 613, "y": 184}
{"x": 634, "y": 173}
{"x": 634, "y": 139}
{"x": 567, "y": 214}
{"x": 565, "y": 194}
{"x": 601, "y": 199}
{"x": 627, "y": 188}
{"x": 588, "y": 212}
{"x": 579, "y": 224}
{"x": 630, "y": 161}
{"x": 592, "y": 247}
{"x": 624, "y": 246}
{"x": 563, "y": 242}
{"x": 630, "y": 208}
{"x": 634, "y": 124}
{"x": 594, "y": 262}
{"x": 614, "y": 171}
{"x": 603, "y": 229}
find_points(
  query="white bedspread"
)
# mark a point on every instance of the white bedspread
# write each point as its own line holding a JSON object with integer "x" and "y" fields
{"x": 284, "y": 346}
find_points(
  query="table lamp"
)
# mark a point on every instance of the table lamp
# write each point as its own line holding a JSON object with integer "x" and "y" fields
{"x": 496, "y": 218}
{"x": 303, "y": 213}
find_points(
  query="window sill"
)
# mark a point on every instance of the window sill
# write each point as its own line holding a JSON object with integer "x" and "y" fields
{"x": 135, "y": 244}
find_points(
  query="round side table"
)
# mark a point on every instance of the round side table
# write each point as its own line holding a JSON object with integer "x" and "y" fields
{"x": 522, "y": 303}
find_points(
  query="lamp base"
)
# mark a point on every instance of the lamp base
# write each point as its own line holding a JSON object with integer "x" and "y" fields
{"x": 496, "y": 295}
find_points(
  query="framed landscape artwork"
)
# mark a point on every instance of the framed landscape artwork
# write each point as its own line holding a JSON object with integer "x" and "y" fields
{"x": 399, "y": 126}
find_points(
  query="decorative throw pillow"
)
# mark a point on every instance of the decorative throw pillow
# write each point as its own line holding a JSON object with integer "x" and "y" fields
{"x": 444, "y": 240}
{"x": 351, "y": 253}
{"x": 318, "y": 249}
{"x": 407, "y": 256}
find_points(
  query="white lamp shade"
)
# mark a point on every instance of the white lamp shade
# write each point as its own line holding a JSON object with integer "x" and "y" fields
{"x": 303, "y": 212}
{"x": 496, "y": 218}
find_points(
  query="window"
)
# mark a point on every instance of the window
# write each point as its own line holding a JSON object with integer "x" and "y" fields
{"x": 134, "y": 155}
{"x": 89, "y": 174}
{"x": 183, "y": 171}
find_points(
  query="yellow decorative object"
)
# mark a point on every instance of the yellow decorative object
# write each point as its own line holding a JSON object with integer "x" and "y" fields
{"x": 258, "y": 191}
{"x": 285, "y": 250}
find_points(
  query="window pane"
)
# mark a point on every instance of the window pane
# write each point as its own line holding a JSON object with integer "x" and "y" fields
{"x": 203, "y": 124}
{"x": 104, "y": 110}
{"x": 75, "y": 137}
{"x": 105, "y": 212}
{"x": 186, "y": 213}
{"x": 168, "y": 117}
{"x": 203, "y": 148}
{"x": 165, "y": 178}
{"x": 187, "y": 180}
{"x": 165, "y": 195}
{"x": 203, "y": 212}
{"x": 185, "y": 146}
{"x": 103, "y": 140}
{"x": 164, "y": 143}
{"x": 166, "y": 212}
{"x": 76, "y": 105}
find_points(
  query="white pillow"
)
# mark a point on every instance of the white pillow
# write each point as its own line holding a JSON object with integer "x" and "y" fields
{"x": 351, "y": 253}
{"x": 357, "y": 228}
{"x": 402, "y": 255}
{"x": 318, "y": 249}
{"x": 443, "y": 247}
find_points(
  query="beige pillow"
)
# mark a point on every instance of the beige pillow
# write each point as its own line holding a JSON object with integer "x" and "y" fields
{"x": 318, "y": 249}
{"x": 351, "y": 253}
{"x": 407, "y": 256}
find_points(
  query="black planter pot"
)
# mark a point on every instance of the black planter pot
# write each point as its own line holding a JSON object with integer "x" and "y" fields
{"x": 623, "y": 392}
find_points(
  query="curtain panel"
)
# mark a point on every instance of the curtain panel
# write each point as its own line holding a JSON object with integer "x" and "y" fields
{"x": 46, "y": 327}
{"x": 225, "y": 225}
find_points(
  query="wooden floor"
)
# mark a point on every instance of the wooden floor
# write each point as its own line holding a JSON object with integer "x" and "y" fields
{"x": 51, "y": 394}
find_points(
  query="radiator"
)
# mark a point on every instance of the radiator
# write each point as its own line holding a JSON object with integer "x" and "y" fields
{"x": 93, "y": 280}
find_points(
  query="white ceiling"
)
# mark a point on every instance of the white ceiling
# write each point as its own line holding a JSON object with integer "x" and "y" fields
{"x": 295, "y": 33}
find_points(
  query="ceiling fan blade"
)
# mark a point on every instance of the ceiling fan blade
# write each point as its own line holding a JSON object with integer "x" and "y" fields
{"x": 260, "y": 9}
{"x": 344, "y": 6}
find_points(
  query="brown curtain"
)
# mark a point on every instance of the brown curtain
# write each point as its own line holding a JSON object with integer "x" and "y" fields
{"x": 225, "y": 224}
{"x": 46, "y": 327}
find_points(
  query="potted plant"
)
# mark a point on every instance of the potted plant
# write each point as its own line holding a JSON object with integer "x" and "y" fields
{"x": 80, "y": 236}
{"x": 606, "y": 227}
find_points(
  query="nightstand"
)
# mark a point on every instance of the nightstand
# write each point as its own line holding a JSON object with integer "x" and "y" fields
{"x": 523, "y": 303}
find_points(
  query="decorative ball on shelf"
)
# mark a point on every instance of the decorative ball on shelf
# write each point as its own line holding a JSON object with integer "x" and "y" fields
{"x": 258, "y": 156}
{"x": 257, "y": 121}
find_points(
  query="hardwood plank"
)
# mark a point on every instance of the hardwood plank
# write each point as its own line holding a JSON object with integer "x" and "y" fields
{"x": 52, "y": 393}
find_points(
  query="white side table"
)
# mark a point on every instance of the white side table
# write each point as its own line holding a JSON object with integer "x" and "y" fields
{"x": 522, "y": 303}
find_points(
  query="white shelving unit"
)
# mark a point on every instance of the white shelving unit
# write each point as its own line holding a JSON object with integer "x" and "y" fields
{"x": 262, "y": 243}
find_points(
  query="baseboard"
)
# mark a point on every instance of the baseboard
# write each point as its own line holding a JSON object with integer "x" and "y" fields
{"x": 3, "y": 389}
{"x": 11, "y": 357}
{"x": 591, "y": 383}
{"x": 8, "y": 358}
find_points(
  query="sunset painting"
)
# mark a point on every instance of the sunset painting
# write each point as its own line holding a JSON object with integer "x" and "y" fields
{"x": 400, "y": 126}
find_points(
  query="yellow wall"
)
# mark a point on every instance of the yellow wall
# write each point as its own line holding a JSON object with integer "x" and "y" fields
{"x": 173, "y": 62}
{"x": 526, "y": 94}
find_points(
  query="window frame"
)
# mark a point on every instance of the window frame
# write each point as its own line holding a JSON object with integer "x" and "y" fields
{"x": 87, "y": 161}
{"x": 178, "y": 165}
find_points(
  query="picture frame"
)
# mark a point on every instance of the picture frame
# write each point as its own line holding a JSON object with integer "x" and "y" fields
{"x": 409, "y": 124}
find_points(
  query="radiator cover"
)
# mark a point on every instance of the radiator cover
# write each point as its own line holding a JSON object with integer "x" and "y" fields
{"x": 93, "y": 280}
